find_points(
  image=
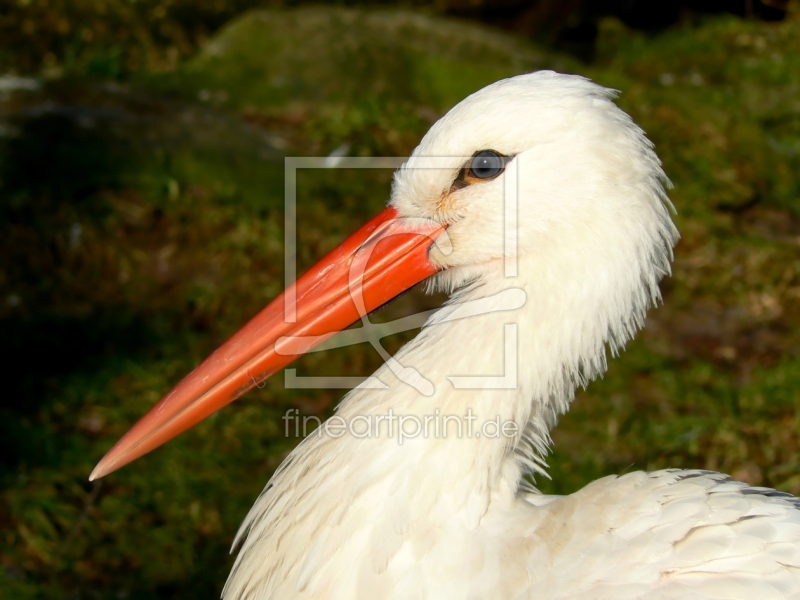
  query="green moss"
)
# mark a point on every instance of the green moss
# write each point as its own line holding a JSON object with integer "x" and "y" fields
{"x": 271, "y": 59}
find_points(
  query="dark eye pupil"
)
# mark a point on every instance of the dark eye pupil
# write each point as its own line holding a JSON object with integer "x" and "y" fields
{"x": 486, "y": 164}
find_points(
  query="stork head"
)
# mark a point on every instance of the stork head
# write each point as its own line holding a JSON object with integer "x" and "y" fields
{"x": 547, "y": 159}
{"x": 553, "y": 154}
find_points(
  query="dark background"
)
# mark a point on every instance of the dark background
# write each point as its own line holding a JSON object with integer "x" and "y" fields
{"x": 141, "y": 195}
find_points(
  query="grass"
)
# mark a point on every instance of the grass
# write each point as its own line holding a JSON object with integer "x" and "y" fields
{"x": 141, "y": 224}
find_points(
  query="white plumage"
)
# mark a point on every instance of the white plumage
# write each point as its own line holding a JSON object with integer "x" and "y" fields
{"x": 451, "y": 517}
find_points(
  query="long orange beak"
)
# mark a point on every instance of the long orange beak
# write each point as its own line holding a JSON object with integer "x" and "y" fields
{"x": 385, "y": 257}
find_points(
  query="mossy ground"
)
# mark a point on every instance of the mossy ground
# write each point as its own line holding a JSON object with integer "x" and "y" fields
{"x": 141, "y": 223}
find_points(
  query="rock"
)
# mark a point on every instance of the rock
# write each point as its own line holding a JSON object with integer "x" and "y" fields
{"x": 318, "y": 55}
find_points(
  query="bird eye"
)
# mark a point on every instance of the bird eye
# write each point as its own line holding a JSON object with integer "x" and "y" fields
{"x": 486, "y": 164}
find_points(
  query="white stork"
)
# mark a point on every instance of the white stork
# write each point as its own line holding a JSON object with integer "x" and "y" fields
{"x": 554, "y": 283}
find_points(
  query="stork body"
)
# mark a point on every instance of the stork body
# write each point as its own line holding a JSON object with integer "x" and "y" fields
{"x": 449, "y": 516}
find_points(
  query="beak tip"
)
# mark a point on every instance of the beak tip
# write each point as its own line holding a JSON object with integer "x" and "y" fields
{"x": 103, "y": 468}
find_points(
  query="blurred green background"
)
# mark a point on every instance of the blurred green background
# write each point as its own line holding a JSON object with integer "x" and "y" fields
{"x": 141, "y": 195}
